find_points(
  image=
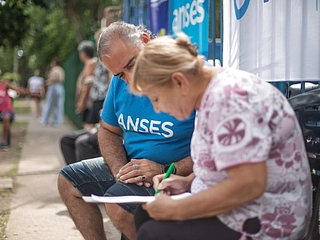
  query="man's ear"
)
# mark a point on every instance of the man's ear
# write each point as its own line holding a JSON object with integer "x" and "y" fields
{"x": 181, "y": 82}
{"x": 144, "y": 38}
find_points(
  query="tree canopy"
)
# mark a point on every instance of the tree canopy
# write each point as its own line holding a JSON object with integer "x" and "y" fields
{"x": 44, "y": 29}
{"x": 14, "y": 22}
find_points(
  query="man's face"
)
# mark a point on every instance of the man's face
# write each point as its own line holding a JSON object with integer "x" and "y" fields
{"x": 122, "y": 59}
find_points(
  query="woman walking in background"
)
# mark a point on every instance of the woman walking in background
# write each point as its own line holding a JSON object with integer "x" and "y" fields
{"x": 36, "y": 88}
{"x": 54, "y": 103}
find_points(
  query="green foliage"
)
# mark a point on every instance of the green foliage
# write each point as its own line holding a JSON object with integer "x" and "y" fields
{"x": 11, "y": 77}
{"x": 45, "y": 29}
{"x": 85, "y": 16}
{"x": 4, "y": 217}
{"x": 13, "y": 22}
{"x": 6, "y": 59}
{"x": 56, "y": 33}
{"x": 51, "y": 36}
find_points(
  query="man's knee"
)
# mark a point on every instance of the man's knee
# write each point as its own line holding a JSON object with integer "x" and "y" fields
{"x": 63, "y": 139}
{"x": 117, "y": 213}
{"x": 63, "y": 184}
{"x": 6, "y": 118}
{"x": 121, "y": 219}
{"x": 82, "y": 141}
{"x": 66, "y": 188}
{"x": 66, "y": 140}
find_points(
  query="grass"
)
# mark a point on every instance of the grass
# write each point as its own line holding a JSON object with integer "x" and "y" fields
{"x": 16, "y": 149}
{"x": 5, "y": 213}
{"x": 21, "y": 106}
{"x": 12, "y": 157}
{"x": 5, "y": 194}
{"x": 4, "y": 217}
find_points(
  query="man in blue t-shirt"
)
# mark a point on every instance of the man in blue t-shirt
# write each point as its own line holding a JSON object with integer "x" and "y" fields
{"x": 135, "y": 142}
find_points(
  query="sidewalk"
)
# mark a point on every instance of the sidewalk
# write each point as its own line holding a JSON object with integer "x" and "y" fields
{"x": 37, "y": 211}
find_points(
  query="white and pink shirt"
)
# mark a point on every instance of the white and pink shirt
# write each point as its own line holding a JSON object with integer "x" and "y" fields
{"x": 243, "y": 119}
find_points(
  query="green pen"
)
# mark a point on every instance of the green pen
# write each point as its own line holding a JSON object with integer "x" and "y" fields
{"x": 168, "y": 173}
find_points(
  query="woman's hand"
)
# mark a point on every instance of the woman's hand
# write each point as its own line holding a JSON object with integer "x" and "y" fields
{"x": 80, "y": 106}
{"x": 173, "y": 185}
{"x": 162, "y": 208}
{"x": 139, "y": 171}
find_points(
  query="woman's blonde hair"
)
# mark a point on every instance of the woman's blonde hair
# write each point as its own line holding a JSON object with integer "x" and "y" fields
{"x": 162, "y": 57}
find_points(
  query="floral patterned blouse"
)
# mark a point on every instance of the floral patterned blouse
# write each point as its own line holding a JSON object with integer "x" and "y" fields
{"x": 243, "y": 119}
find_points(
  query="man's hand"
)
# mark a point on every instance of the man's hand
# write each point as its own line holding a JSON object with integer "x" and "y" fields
{"x": 139, "y": 172}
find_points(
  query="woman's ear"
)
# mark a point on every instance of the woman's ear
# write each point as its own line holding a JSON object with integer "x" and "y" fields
{"x": 179, "y": 80}
{"x": 144, "y": 38}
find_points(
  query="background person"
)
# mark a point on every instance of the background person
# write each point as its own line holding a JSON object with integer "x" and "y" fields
{"x": 6, "y": 110}
{"x": 251, "y": 173}
{"x": 54, "y": 102}
{"x": 86, "y": 51}
{"x": 83, "y": 144}
{"x": 136, "y": 143}
{"x": 37, "y": 89}
{"x": 99, "y": 88}
{"x": 80, "y": 145}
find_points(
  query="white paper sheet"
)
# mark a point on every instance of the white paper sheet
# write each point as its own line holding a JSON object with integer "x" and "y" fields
{"x": 128, "y": 199}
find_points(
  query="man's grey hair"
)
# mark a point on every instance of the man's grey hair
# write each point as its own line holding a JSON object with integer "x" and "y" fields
{"x": 128, "y": 33}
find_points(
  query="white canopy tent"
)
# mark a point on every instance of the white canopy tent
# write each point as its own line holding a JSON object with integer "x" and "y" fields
{"x": 278, "y": 40}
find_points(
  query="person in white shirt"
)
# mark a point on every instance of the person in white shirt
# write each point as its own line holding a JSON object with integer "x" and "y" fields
{"x": 36, "y": 88}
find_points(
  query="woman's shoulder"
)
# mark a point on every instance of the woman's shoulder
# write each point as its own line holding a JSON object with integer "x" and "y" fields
{"x": 92, "y": 61}
{"x": 89, "y": 67}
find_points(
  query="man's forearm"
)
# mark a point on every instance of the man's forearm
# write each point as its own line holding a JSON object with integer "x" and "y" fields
{"x": 112, "y": 150}
{"x": 184, "y": 166}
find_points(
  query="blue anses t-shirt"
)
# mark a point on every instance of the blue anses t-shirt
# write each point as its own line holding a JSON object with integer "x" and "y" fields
{"x": 155, "y": 136}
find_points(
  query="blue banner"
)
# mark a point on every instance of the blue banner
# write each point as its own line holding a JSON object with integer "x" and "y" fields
{"x": 158, "y": 16}
{"x": 192, "y": 18}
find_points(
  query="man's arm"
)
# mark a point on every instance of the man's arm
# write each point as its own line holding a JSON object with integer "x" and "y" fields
{"x": 142, "y": 171}
{"x": 20, "y": 90}
{"x": 184, "y": 166}
{"x": 111, "y": 146}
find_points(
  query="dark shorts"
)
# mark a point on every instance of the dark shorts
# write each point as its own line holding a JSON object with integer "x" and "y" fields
{"x": 7, "y": 112}
{"x": 94, "y": 177}
{"x": 85, "y": 115}
{"x": 36, "y": 96}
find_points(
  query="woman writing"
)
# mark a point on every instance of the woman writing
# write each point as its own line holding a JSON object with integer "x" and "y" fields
{"x": 251, "y": 176}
